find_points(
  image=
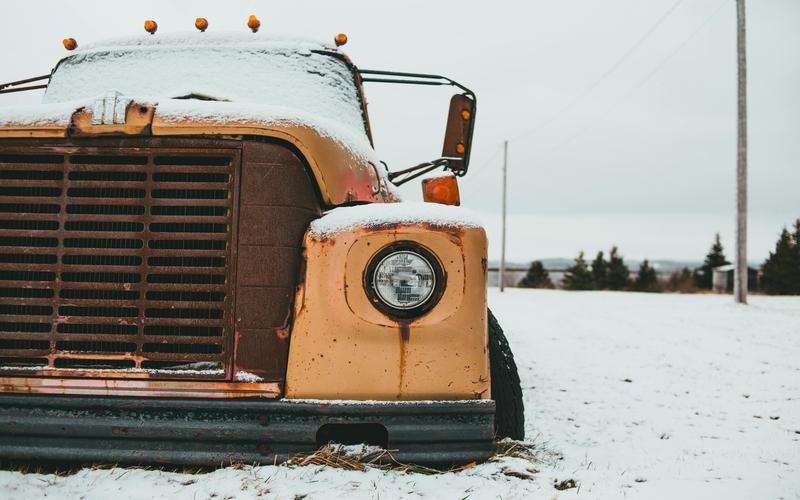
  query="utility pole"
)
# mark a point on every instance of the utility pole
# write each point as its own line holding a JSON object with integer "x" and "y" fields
{"x": 503, "y": 244}
{"x": 740, "y": 278}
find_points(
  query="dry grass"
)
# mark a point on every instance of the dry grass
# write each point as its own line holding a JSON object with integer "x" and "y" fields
{"x": 334, "y": 455}
{"x": 331, "y": 455}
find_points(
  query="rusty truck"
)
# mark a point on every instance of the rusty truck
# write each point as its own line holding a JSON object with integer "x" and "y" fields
{"x": 204, "y": 261}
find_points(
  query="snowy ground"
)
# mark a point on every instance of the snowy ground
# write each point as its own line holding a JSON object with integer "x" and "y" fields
{"x": 643, "y": 396}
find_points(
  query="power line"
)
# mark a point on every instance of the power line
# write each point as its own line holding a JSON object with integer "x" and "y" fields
{"x": 481, "y": 169}
{"x": 605, "y": 75}
{"x": 643, "y": 81}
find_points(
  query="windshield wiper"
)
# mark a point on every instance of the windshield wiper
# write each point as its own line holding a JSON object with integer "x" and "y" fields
{"x": 4, "y": 87}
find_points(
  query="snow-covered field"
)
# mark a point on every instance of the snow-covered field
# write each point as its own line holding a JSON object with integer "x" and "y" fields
{"x": 643, "y": 396}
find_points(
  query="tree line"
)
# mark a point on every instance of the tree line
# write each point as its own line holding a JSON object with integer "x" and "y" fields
{"x": 780, "y": 271}
{"x": 602, "y": 274}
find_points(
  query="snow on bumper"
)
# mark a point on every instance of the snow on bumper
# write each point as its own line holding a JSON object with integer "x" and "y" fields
{"x": 76, "y": 429}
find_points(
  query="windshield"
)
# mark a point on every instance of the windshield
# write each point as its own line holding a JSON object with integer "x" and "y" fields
{"x": 314, "y": 83}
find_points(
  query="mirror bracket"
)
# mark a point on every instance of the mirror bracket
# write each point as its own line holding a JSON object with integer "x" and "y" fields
{"x": 460, "y": 123}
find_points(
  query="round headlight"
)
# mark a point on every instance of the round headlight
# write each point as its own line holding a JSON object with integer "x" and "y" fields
{"x": 405, "y": 279}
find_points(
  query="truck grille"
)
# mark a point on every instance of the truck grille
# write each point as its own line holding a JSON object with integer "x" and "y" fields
{"x": 117, "y": 258}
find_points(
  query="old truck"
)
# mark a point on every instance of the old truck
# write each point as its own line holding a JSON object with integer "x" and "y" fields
{"x": 203, "y": 261}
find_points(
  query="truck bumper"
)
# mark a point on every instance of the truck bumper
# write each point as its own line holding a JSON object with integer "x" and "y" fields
{"x": 207, "y": 432}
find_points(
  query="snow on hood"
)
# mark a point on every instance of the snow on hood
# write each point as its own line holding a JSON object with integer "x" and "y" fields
{"x": 262, "y": 39}
{"x": 249, "y": 77}
{"x": 274, "y": 72}
{"x": 377, "y": 215}
{"x": 176, "y": 110}
{"x": 58, "y": 113}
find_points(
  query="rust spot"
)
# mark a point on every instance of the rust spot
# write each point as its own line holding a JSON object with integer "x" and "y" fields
{"x": 137, "y": 385}
{"x": 282, "y": 333}
{"x": 405, "y": 331}
{"x": 404, "y": 336}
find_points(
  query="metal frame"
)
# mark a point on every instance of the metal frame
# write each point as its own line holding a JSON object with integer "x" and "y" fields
{"x": 440, "y": 280}
{"x": 398, "y": 77}
{"x": 411, "y": 79}
{"x": 4, "y": 87}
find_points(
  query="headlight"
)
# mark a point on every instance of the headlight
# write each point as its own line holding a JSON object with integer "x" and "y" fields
{"x": 404, "y": 280}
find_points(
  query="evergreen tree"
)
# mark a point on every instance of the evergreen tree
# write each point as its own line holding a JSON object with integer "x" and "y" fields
{"x": 681, "y": 281}
{"x": 714, "y": 258}
{"x": 646, "y": 281}
{"x": 578, "y": 276}
{"x": 618, "y": 272}
{"x": 536, "y": 277}
{"x": 781, "y": 275}
{"x": 600, "y": 272}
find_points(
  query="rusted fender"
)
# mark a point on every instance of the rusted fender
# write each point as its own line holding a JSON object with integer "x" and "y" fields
{"x": 344, "y": 348}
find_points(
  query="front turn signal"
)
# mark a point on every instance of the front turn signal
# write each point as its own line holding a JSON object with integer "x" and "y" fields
{"x": 253, "y": 23}
{"x": 150, "y": 26}
{"x": 442, "y": 190}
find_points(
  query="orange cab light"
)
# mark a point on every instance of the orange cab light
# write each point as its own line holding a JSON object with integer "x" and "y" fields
{"x": 70, "y": 44}
{"x": 442, "y": 190}
{"x": 150, "y": 26}
{"x": 201, "y": 23}
{"x": 340, "y": 39}
{"x": 465, "y": 114}
{"x": 460, "y": 148}
{"x": 253, "y": 23}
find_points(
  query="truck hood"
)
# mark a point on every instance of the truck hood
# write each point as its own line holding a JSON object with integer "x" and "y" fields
{"x": 344, "y": 164}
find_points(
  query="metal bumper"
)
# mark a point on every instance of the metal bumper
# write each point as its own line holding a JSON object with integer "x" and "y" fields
{"x": 205, "y": 432}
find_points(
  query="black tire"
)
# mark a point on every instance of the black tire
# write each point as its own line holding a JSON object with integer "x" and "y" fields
{"x": 509, "y": 418}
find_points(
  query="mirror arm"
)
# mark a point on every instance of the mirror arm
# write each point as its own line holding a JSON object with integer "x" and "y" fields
{"x": 380, "y": 76}
{"x": 412, "y": 173}
{"x": 410, "y": 79}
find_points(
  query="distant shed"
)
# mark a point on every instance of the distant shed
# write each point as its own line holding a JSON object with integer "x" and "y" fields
{"x": 723, "y": 277}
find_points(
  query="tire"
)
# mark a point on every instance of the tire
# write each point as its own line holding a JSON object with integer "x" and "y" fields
{"x": 509, "y": 418}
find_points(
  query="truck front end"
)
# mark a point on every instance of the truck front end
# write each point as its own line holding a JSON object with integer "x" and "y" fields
{"x": 202, "y": 261}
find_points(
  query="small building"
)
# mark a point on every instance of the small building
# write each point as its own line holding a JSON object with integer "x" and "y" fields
{"x": 514, "y": 273}
{"x": 722, "y": 278}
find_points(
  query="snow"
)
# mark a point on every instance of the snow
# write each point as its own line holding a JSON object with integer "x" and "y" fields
{"x": 226, "y": 113}
{"x": 629, "y": 395}
{"x": 384, "y": 214}
{"x": 261, "y": 70}
{"x": 356, "y": 450}
{"x": 249, "y": 77}
{"x": 261, "y": 39}
{"x": 202, "y": 368}
{"x": 247, "y": 377}
{"x": 58, "y": 113}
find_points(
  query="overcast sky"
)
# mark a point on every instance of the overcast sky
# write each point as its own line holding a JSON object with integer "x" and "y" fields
{"x": 621, "y": 114}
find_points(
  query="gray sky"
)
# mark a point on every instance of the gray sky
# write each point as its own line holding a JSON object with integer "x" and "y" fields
{"x": 642, "y": 156}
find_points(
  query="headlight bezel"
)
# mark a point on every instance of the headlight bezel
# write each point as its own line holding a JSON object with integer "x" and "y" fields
{"x": 440, "y": 280}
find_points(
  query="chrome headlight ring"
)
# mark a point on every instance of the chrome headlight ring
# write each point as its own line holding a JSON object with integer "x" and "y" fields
{"x": 404, "y": 280}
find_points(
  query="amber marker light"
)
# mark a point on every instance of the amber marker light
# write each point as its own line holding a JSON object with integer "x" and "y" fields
{"x": 442, "y": 190}
{"x": 465, "y": 114}
{"x": 460, "y": 148}
{"x": 70, "y": 44}
{"x": 340, "y": 39}
{"x": 150, "y": 26}
{"x": 201, "y": 23}
{"x": 253, "y": 23}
